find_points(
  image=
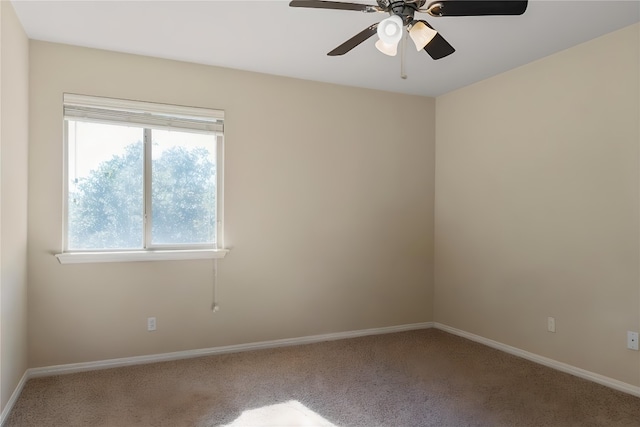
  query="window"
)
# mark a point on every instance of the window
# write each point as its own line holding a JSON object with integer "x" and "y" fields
{"x": 143, "y": 181}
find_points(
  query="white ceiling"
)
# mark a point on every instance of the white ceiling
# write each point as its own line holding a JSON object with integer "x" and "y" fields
{"x": 270, "y": 37}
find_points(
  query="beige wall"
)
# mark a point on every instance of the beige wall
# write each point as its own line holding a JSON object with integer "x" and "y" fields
{"x": 329, "y": 211}
{"x": 537, "y": 206}
{"x": 14, "y": 112}
{"x": 329, "y": 214}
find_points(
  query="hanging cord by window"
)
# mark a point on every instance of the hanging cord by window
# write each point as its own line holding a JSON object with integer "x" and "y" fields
{"x": 403, "y": 46}
{"x": 214, "y": 304}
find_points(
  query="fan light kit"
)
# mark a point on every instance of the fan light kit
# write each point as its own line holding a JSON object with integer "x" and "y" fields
{"x": 391, "y": 30}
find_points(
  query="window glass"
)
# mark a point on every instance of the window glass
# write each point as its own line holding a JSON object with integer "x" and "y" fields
{"x": 105, "y": 186}
{"x": 183, "y": 188}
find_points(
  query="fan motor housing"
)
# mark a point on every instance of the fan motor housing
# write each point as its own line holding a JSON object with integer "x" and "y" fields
{"x": 401, "y": 8}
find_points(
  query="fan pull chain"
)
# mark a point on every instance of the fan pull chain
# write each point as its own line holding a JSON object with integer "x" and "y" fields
{"x": 214, "y": 305}
{"x": 403, "y": 43}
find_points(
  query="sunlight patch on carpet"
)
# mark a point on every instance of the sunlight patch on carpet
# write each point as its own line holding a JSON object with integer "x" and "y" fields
{"x": 289, "y": 414}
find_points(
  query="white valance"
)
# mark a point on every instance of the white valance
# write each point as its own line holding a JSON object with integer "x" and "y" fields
{"x": 146, "y": 114}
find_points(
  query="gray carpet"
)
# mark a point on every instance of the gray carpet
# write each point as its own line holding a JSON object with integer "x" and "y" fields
{"x": 419, "y": 378}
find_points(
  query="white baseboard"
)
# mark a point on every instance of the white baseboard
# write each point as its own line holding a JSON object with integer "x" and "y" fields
{"x": 14, "y": 397}
{"x": 165, "y": 357}
{"x": 554, "y": 364}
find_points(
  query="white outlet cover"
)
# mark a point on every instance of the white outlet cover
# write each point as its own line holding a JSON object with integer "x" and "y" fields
{"x": 551, "y": 324}
{"x": 151, "y": 324}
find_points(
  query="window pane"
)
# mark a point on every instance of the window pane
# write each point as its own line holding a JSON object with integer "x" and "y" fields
{"x": 105, "y": 170}
{"x": 183, "y": 185}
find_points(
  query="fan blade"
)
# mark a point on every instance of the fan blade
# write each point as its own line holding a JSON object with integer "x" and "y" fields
{"x": 438, "y": 47}
{"x": 319, "y": 4}
{"x": 354, "y": 41}
{"x": 476, "y": 8}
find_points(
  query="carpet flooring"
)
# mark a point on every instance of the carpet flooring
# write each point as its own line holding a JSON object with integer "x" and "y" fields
{"x": 417, "y": 378}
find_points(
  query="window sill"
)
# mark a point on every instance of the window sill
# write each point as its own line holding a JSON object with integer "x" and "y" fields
{"x": 137, "y": 256}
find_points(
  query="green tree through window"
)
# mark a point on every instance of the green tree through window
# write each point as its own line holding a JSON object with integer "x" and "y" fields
{"x": 106, "y": 207}
{"x": 183, "y": 197}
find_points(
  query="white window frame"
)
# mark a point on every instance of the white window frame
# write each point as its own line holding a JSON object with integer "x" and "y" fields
{"x": 147, "y": 116}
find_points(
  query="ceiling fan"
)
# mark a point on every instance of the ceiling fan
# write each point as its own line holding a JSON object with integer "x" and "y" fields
{"x": 401, "y": 16}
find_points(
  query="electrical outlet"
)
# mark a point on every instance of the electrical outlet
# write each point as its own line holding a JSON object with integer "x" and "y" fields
{"x": 151, "y": 324}
{"x": 632, "y": 340}
{"x": 551, "y": 324}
